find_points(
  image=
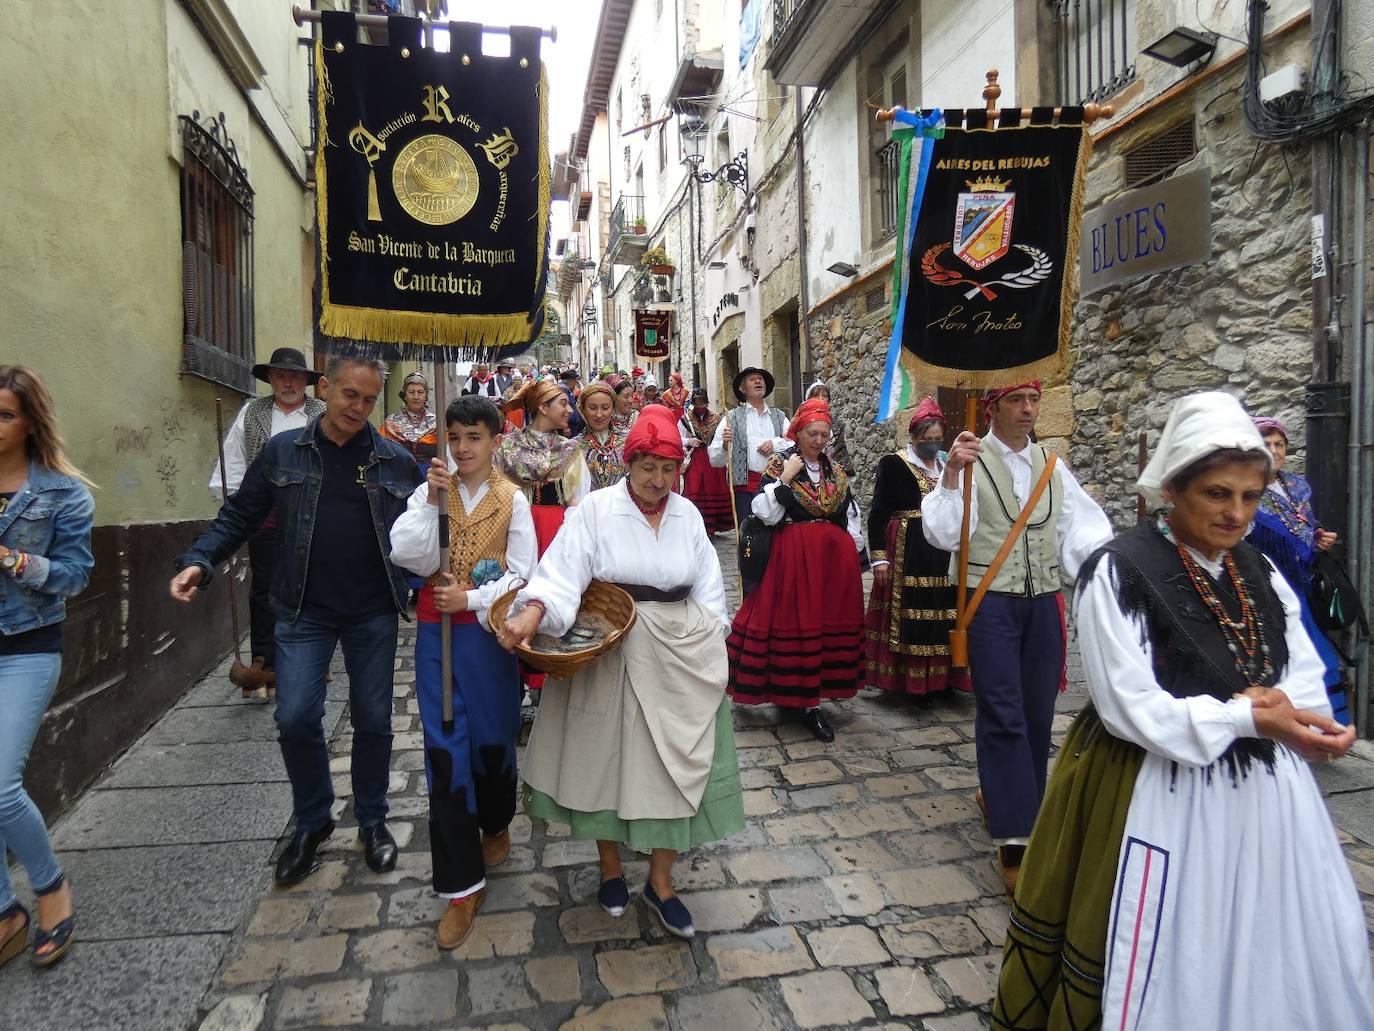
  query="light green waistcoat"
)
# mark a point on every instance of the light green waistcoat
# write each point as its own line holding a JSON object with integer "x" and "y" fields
{"x": 1032, "y": 566}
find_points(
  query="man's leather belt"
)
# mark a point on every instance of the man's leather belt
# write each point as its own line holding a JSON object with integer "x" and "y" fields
{"x": 642, "y": 592}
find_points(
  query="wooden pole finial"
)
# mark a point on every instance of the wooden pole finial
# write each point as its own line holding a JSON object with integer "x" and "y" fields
{"x": 992, "y": 90}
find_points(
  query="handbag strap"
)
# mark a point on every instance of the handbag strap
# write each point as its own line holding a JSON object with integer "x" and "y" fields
{"x": 1017, "y": 528}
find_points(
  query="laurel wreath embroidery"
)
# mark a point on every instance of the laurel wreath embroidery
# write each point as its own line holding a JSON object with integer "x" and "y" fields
{"x": 1037, "y": 272}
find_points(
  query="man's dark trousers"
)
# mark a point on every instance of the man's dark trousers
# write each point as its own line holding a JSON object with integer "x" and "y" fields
{"x": 304, "y": 649}
{"x": 262, "y": 560}
{"x": 1016, "y": 655}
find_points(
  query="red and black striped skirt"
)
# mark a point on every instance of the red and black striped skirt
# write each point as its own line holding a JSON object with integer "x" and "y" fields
{"x": 799, "y": 635}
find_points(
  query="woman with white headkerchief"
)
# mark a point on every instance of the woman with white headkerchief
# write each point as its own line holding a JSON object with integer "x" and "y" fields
{"x": 1183, "y": 872}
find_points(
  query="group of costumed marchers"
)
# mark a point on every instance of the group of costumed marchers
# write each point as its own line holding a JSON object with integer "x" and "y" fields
{"x": 911, "y": 605}
{"x": 798, "y": 636}
{"x": 637, "y": 748}
{"x": 1184, "y": 872}
{"x": 704, "y": 484}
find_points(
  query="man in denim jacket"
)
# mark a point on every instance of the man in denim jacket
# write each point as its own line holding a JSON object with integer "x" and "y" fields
{"x": 337, "y": 486}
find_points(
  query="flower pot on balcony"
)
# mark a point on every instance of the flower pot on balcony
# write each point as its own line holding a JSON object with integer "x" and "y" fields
{"x": 662, "y": 270}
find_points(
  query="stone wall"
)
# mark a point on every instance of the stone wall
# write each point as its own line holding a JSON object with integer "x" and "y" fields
{"x": 1240, "y": 323}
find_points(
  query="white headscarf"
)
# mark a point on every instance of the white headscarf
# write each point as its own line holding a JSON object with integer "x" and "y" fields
{"x": 1198, "y": 425}
{"x": 820, "y": 384}
{"x": 649, "y": 381}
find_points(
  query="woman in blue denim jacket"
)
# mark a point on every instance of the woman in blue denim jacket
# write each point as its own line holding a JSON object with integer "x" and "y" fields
{"x": 45, "y": 558}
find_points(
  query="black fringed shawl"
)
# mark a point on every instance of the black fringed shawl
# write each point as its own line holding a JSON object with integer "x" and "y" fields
{"x": 1191, "y": 657}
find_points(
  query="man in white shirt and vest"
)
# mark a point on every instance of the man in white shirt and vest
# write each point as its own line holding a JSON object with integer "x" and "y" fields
{"x": 747, "y": 437}
{"x": 286, "y": 408}
{"x": 1016, "y": 640}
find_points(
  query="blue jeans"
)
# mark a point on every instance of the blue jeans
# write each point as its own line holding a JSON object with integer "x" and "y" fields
{"x": 26, "y": 686}
{"x": 303, "y": 652}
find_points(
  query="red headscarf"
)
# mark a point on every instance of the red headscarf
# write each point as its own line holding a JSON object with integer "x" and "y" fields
{"x": 927, "y": 411}
{"x": 811, "y": 410}
{"x": 996, "y": 394}
{"x": 654, "y": 433}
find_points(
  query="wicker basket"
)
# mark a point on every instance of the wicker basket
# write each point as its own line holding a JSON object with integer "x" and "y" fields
{"x": 600, "y": 599}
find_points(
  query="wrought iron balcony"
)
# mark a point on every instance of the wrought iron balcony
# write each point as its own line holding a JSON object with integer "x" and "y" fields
{"x": 628, "y": 237}
{"x": 810, "y": 36}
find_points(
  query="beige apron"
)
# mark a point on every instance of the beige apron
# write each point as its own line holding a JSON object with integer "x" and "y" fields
{"x": 634, "y": 732}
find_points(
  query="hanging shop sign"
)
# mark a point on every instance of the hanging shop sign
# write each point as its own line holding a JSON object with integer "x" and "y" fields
{"x": 1152, "y": 229}
{"x": 652, "y": 333}
{"x": 433, "y": 187}
{"x": 989, "y": 218}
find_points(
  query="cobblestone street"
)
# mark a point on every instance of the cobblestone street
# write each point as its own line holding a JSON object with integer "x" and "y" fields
{"x": 860, "y": 895}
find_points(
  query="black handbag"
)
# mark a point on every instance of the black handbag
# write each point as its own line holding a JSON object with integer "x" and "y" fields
{"x": 755, "y": 542}
{"x": 1334, "y": 599}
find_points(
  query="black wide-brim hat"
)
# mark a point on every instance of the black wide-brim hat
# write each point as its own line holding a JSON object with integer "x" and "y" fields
{"x": 740, "y": 377}
{"x": 288, "y": 359}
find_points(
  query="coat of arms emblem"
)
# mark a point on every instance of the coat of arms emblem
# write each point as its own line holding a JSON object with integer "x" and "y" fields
{"x": 982, "y": 222}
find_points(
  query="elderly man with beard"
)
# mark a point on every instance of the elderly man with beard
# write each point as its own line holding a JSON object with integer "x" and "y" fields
{"x": 286, "y": 408}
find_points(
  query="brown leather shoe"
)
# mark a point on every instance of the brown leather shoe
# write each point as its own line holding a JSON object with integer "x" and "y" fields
{"x": 982, "y": 806}
{"x": 1008, "y": 863}
{"x": 456, "y": 923}
{"x": 496, "y": 848}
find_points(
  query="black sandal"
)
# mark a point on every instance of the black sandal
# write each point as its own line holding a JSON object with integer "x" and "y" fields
{"x": 60, "y": 937}
{"x": 14, "y": 944}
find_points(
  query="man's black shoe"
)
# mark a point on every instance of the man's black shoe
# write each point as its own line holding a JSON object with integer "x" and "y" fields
{"x": 820, "y": 728}
{"x": 298, "y": 858}
{"x": 378, "y": 846}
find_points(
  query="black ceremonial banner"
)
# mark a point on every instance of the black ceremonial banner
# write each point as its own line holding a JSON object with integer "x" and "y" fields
{"x": 988, "y": 278}
{"x": 433, "y": 187}
{"x": 651, "y": 333}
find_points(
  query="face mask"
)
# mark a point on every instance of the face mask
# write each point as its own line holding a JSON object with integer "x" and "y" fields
{"x": 928, "y": 450}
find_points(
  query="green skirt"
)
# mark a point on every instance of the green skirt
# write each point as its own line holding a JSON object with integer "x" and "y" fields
{"x": 1054, "y": 960}
{"x": 720, "y": 814}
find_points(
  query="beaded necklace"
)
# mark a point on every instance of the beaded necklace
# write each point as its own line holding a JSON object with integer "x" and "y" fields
{"x": 648, "y": 510}
{"x": 1245, "y": 636}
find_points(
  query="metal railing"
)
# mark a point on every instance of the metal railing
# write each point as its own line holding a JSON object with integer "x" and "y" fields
{"x": 627, "y": 217}
{"x": 783, "y": 13}
{"x": 887, "y": 159}
{"x": 1095, "y": 44}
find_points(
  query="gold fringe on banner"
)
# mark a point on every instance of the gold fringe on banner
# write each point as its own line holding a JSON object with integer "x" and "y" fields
{"x": 1042, "y": 368}
{"x": 423, "y": 329}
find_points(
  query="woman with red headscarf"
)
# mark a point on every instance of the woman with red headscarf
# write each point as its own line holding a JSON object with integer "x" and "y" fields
{"x": 637, "y": 748}
{"x": 676, "y": 396}
{"x": 798, "y": 637}
{"x": 911, "y": 607}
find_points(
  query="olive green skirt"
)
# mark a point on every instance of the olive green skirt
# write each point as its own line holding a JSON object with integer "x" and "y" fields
{"x": 1053, "y": 963}
{"x": 720, "y": 814}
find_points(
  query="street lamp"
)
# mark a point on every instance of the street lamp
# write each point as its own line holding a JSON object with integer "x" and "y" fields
{"x": 735, "y": 172}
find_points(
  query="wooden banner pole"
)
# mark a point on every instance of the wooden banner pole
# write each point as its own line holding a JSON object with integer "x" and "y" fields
{"x": 445, "y": 558}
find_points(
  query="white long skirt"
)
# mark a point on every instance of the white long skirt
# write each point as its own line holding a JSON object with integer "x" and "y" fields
{"x": 1234, "y": 907}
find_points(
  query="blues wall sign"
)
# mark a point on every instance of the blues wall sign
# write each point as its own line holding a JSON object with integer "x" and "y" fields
{"x": 984, "y": 294}
{"x": 433, "y": 188}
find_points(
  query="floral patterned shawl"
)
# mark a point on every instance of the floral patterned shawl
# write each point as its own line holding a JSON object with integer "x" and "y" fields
{"x": 530, "y": 457}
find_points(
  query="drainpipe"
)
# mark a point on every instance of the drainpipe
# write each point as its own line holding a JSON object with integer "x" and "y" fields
{"x": 1361, "y": 455}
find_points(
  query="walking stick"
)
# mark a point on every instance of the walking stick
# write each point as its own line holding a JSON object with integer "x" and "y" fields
{"x": 238, "y": 673}
{"x": 445, "y": 559}
{"x": 730, "y": 483}
{"x": 958, "y": 637}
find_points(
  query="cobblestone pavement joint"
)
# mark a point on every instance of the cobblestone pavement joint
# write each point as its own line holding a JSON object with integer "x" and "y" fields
{"x": 860, "y": 894}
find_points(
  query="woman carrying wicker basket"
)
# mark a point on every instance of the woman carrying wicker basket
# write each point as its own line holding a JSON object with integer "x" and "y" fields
{"x": 636, "y": 748}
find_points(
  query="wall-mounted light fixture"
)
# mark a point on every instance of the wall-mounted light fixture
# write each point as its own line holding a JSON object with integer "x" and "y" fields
{"x": 843, "y": 268}
{"x": 735, "y": 171}
{"x": 1182, "y": 46}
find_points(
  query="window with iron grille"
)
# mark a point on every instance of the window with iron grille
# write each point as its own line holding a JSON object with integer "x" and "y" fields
{"x": 1153, "y": 159}
{"x": 1096, "y": 44}
{"x": 216, "y": 257}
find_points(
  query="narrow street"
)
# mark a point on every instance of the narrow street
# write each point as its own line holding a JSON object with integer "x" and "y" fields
{"x": 860, "y": 895}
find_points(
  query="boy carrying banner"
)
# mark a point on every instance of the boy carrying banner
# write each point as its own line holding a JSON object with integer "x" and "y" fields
{"x": 471, "y": 769}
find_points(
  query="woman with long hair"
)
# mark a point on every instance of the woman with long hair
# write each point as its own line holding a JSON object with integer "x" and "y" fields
{"x": 798, "y": 637}
{"x": 676, "y": 396}
{"x": 45, "y": 556}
